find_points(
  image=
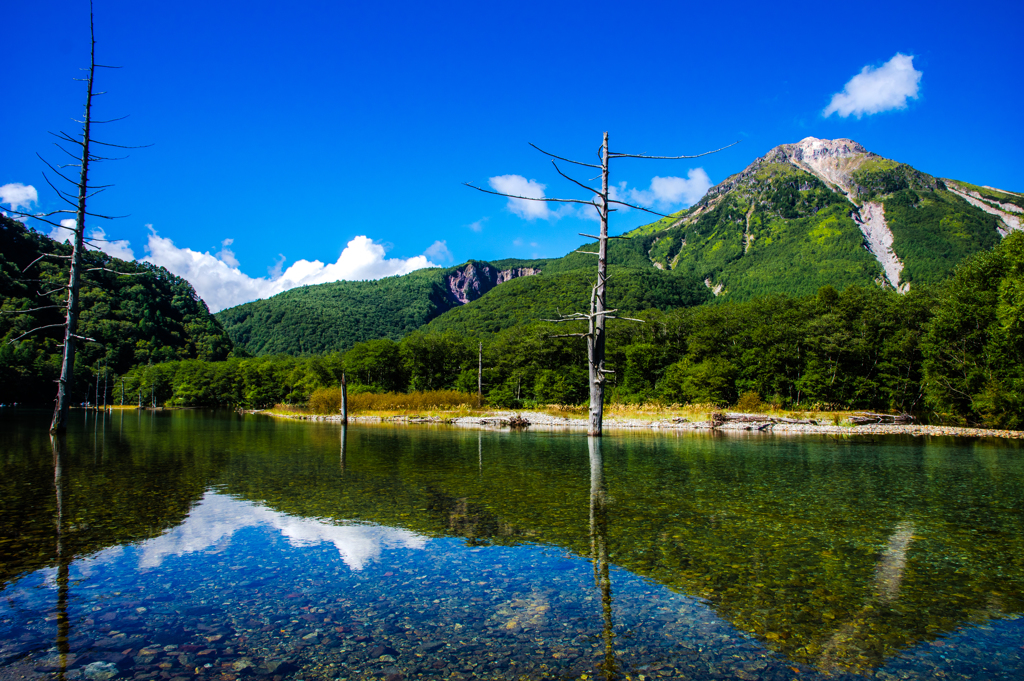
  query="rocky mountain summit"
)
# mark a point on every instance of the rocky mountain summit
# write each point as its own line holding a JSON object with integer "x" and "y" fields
{"x": 835, "y": 213}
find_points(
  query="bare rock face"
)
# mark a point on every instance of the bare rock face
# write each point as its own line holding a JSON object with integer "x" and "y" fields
{"x": 474, "y": 279}
{"x": 831, "y": 161}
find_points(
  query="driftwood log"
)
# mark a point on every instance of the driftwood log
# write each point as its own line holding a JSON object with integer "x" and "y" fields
{"x": 722, "y": 417}
{"x": 868, "y": 418}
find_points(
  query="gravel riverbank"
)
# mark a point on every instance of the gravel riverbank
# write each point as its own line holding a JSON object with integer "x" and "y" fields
{"x": 538, "y": 420}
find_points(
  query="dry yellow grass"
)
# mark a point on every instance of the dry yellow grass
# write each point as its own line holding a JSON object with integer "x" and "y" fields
{"x": 328, "y": 401}
{"x": 452, "y": 404}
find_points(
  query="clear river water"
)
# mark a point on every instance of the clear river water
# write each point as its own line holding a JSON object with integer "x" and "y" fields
{"x": 211, "y": 545}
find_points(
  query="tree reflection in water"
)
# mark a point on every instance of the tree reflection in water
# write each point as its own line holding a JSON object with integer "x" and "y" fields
{"x": 599, "y": 552}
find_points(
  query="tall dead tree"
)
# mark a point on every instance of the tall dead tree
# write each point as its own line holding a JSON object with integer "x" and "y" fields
{"x": 82, "y": 159}
{"x": 598, "y": 314}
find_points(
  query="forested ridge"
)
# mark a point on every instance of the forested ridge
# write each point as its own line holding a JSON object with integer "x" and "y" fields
{"x": 150, "y": 316}
{"x": 326, "y": 317}
{"x": 953, "y": 353}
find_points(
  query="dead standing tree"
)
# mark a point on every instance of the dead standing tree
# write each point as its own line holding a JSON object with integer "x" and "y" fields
{"x": 84, "y": 157}
{"x": 598, "y": 314}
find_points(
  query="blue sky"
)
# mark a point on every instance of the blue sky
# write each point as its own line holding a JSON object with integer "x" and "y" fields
{"x": 293, "y": 129}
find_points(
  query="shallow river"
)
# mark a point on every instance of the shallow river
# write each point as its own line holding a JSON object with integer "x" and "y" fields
{"x": 209, "y": 545}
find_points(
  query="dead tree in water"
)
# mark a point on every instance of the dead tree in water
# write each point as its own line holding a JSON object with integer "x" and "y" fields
{"x": 598, "y": 314}
{"x": 84, "y": 157}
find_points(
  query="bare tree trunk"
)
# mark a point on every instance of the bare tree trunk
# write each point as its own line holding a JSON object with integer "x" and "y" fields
{"x": 596, "y": 341}
{"x": 59, "y": 424}
{"x": 480, "y": 375}
{"x": 599, "y": 312}
{"x": 344, "y": 400}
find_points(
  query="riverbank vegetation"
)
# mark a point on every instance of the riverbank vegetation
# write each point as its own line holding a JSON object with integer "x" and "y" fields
{"x": 953, "y": 354}
{"x": 949, "y": 354}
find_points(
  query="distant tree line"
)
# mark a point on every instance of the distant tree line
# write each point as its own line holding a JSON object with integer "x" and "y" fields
{"x": 953, "y": 353}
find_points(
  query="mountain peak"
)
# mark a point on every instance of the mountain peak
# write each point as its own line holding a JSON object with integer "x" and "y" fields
{"x": 831, "y": 161}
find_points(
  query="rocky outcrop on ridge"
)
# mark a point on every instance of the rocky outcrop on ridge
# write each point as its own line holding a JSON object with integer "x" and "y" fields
{"x": 474, "y": 279}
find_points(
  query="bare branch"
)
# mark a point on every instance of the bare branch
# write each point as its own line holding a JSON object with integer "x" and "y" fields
{"x": 599, "y": 238}
{"x": 646, "y": 210}
{"x": 34, "y": 309}
{"x": 45, "y": 255}
{"x": 104, "y": 269}
{"x": 568, "y": 335}
{"x": 588, "y": 252}
{"x": 560, "y": 158}
{"x": 106, "y": 217}
{"x": 670, "y": 158}
{"x": 120, "y": 146}
{"x": 59, "y": 192}
{"x": 48, "y": 165}
{"x": 580, "y": 184}
{"x": 113, "y": 120}
{"x": 38, "y": 328}
{"x": 527, "y": 198}
{"x": 75, "y": 335}
{"x": 52, "y": 291}
{"x": 67, "y": 138}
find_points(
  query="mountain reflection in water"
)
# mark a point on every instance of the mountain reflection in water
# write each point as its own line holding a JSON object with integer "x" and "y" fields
{"x": 213, "y": 546}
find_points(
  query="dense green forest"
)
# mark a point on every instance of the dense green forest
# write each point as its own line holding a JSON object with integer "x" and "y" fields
{"x": 334, "y": 317}
{"x": 146, "y": 316}
{"x": 326, "y": 317}
{"x": 954, "y": 353}
{"x": 527, "y": 300}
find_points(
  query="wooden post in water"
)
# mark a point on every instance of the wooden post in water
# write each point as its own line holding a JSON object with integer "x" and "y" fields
{"x": 344, "y": 400}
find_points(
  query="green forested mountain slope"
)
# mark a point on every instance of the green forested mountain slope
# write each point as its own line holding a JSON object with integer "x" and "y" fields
{"x": 810, "y": 214}
{"x": 335, "y": 316}
{"x": 530, "y": 299}
{"x": 152, "y": 316}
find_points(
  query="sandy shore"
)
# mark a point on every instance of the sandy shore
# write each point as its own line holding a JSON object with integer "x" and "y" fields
{"x": 540, "y": 421}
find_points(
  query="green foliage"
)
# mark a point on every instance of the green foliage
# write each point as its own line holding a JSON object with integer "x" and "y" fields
{"x": 146, "y": 315}
{"x": 548, "y": 296}
{"x": 934, "y": 230}
{"x": 974, "y": 346}
{"x": 958, "y": 353}
{"x": 336, "y": 316}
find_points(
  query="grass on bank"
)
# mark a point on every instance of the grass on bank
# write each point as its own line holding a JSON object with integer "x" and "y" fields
{"x": 327, "y": 401}
{"x": 453, "y": 404}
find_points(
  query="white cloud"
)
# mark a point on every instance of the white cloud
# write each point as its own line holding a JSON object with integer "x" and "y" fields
{"x": 63, "y": 233}
{"x": 119, "y": 248}
{"x": 666, "y": 194}
{"x": 226, "y": 255}
{"x": 439, "y": 251}
{"x": 275, "y": 270}
{"x": 222, "y": 285}
{"x": 874, "y": 90}
{"x": 18, "y": 196}
{"x": 216, "y": 519}
{"x": 669, "y": 192}
{"x": 528, "y": 210}
{"x": 478, "y": 226}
